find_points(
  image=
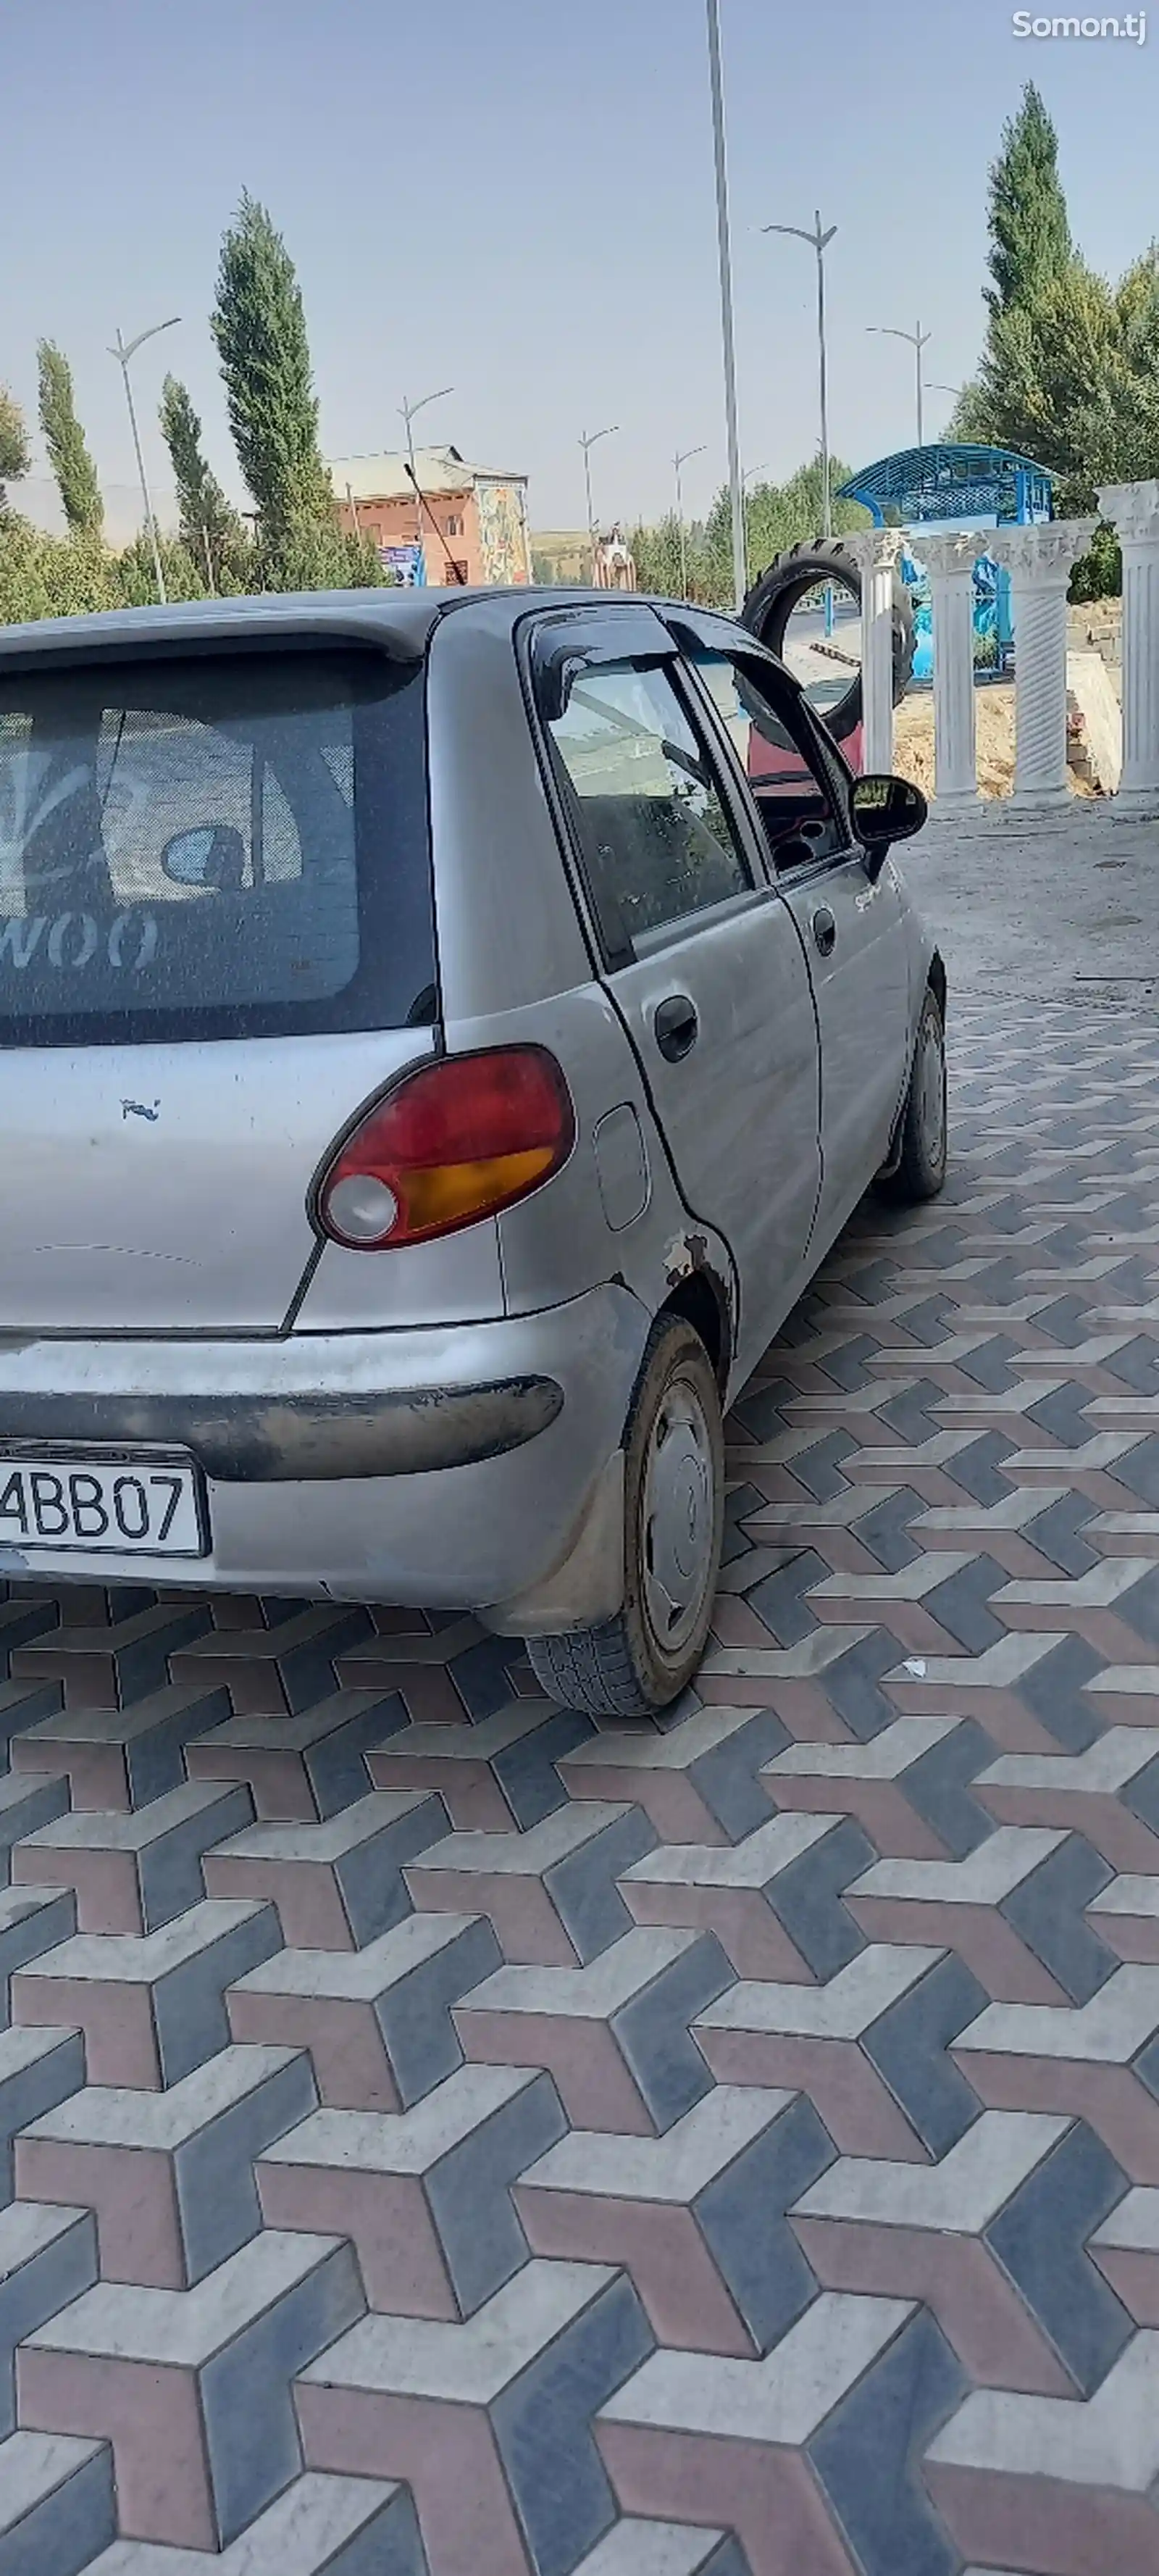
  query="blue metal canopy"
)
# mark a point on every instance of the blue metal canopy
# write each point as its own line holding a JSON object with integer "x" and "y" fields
{"x": 985, "y": 485}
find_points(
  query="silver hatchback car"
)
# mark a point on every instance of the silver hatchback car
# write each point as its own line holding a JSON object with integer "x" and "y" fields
{"x": 442, "y": 1034}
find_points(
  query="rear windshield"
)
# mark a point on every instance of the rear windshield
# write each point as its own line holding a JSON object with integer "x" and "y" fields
{"x": 227, "y": 846}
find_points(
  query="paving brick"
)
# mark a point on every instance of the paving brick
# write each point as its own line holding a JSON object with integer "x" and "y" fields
{"x": 56, "y": 2504}
{"x": 615, "y": 2035}
{"x": 488, "y": 2421}
{"x": 992, "y": 2239}
{"x": 47, "y": 2257}
{"x": 38, "y": 2069}
{"x": 868, "y": 2048}
{"x": 697, "y": 1781}
{"x": 1095, "y": 2062}
{"x": 425, "y": 2195}
{"x": 734, "y": 2441}
{"x": 320, "y": 2526}
{"x": 773, "y": 1900}
{"x": 111, "y": 1665}
{"x": 305, "y": 1767}
{"x": 192, "y": 2388}
{"x": 1055, "y": 2484}
{"x": 151, "y": 2009}
{"x": 1106, "y": 1793}
{"x": 21, "y": 1707}
{"x": 696, "y": 2217}
{"x": 492, "y": 1775}
{"x": 170, "y": 2176}
{"x": 336, "y": 1885}
{"x": 32, "y": 1920}
{"x": 377, "y": 2022}
{"x": 25, "y": 1804}
{"x": 909, "y": 1788}
{"x": 1012, "y": 1910}
{"x": 269, "y": 1672}
{"x": 119, "y": 1757}
{"x": 638, "y": 2548}
{"x": 551, "y": 1892}
{"x": 130, "y": 1872}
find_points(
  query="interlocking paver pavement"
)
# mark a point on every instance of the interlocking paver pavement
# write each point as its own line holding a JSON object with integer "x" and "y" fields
{"x": 443, "y": 2137}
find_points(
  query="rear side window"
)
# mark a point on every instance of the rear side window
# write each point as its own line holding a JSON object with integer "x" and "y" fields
{"x": 653, "y": 822}
{"x": 226, "y": 846}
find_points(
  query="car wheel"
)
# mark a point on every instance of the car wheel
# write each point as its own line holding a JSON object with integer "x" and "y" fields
{"x": 640, "y": 1661}
{"x": 921, "y": 1167}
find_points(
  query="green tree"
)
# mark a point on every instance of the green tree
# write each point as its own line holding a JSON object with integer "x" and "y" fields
{"x": 76, "y": 474}
{"x": 212, "y": 531}
{"x": 15, "y": 457}
{"x": 1030, "y": 243}
{"x": 259, "y": 326}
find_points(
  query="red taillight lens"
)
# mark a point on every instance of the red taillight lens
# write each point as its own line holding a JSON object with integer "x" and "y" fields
{"x": 457, "y": 1141}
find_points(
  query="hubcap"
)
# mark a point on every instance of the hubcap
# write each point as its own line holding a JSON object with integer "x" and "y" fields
{"x": 678, "y": 1516}
{"x": 932, "y": 1097}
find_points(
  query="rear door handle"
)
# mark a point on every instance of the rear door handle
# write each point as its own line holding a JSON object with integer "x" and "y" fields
{"x": 824, "y": 930}
{"x": 676, "y": 1026}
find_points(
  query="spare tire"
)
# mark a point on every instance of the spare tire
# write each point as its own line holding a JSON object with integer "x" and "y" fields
{"x": 777, "y": 591}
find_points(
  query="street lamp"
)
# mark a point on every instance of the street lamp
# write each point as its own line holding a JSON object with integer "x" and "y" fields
{"x": 589, "y": 439}
{"x": 126, "y": 349}
{"x": 918, "y": 340}
{"x": 407, "y": 412}
{"x": 680, "y": 459}
{"x": 751, "y": 472}
{"x": 819, "y": 242}
{"x": 724, "y": 263}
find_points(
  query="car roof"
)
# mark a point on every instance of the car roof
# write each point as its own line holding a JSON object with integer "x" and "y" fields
{"x": 398, "y": 621}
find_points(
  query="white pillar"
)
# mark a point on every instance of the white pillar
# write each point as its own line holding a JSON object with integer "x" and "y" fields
{"x": 950, "y": 561}
{"x": 1039, "y": 561}
{"x": 877, "y": 551}
{"x": 1133, "y": 509}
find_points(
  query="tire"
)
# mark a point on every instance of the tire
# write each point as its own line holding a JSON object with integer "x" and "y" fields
{"x": 775, "y": 594}
{"x": 920, "y": 1172}
{"x": 640, "y": 1661}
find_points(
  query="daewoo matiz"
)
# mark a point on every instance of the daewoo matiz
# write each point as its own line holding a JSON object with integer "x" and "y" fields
{"x": 436, "y": 1054}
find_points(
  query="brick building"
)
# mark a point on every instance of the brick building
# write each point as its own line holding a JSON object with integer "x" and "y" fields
{"x": 474, "y": 522}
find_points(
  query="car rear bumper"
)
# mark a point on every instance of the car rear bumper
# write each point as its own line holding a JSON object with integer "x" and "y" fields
{"x": 446, "y": 1467}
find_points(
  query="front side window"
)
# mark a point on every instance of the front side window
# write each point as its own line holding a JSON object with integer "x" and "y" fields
{"x": 798, "y": 812}
{"x": 220, "y": 846}
{"x": 656, "y": 831}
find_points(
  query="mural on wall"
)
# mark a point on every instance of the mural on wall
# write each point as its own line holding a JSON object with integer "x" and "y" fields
{"x": 504, "y": 540}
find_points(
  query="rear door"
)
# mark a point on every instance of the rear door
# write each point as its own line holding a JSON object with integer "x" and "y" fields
{"x": 851, "y": 926}
{"x": 702, "y": 956}
{"x": 215, "y": 941}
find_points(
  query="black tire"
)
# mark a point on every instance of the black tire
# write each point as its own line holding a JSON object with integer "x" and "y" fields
{"x": 626, "y": 1667}
{"x": 921, "y": 1167}
{"x": 776, "y": 592}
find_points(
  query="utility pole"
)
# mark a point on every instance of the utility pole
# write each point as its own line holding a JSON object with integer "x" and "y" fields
{"x": 819, "y": 241}
{"x": 918, "y": 340}
{"x": 589, "y": 439}
{"x": 728, "y": 346}
{"x": 126, "y": 349}
{"x": 681, "y": 459}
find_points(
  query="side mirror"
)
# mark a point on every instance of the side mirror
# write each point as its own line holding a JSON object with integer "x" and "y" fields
{"x": 886, "y": 809}
{"x": 213, "y": 855}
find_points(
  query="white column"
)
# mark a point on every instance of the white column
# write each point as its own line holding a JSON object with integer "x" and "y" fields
{"x": 877, "y": 551}
{"x": 950, "y": 561}
{"x": 1039, "y": 561}
{"x": 1133, "y": 509}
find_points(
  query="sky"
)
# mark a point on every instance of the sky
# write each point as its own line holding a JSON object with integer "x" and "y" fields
{"x": 517, "y": 201}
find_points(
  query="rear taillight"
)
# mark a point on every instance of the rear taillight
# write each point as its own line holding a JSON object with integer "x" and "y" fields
{"x": 462, "y": 1139}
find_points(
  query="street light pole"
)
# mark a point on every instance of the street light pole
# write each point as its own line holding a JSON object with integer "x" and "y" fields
{"x": 819, "y": 241}
{"x": 589, "y": 439}
{"x": 407, "y": 413}
{"x": 728, "y": 348}
{"x": 680, "y": 459}
{"x": 126, "y": 349}
{"x": 918, "y": 340}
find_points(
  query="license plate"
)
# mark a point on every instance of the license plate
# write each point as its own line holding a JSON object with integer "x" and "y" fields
{"x": 122, "y": 1505}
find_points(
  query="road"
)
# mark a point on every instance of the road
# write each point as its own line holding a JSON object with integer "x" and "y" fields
{"x": 745, "y": 2100}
